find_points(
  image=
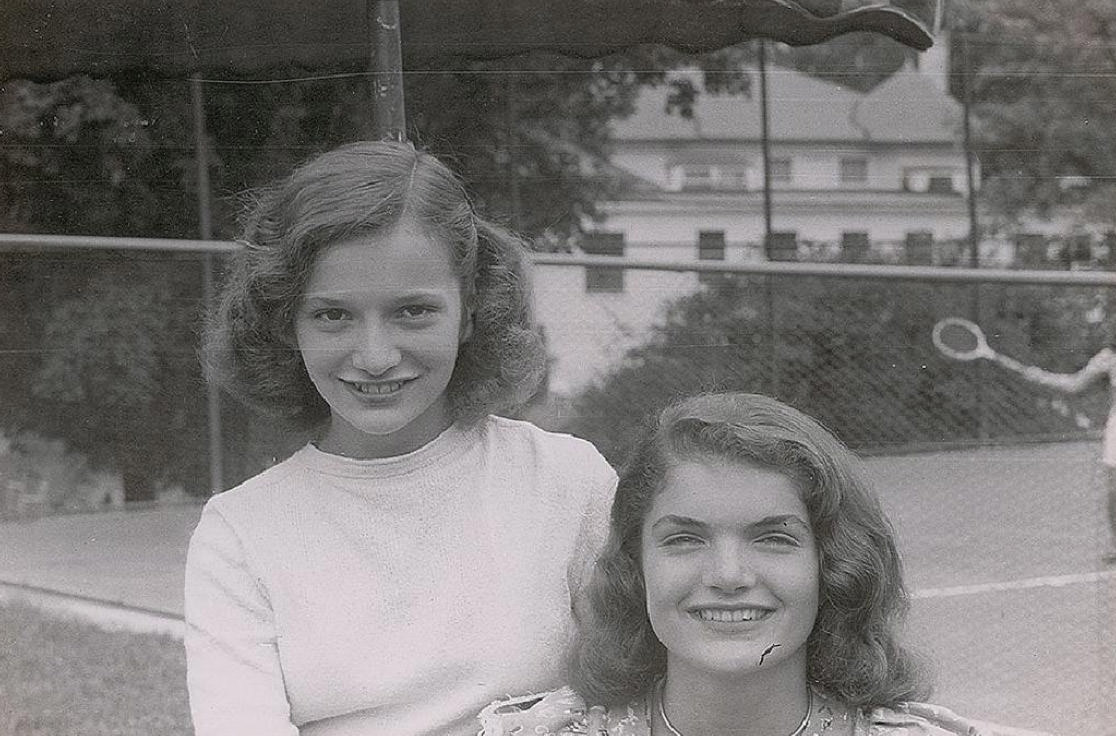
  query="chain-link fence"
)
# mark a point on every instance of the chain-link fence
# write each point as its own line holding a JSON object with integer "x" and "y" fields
{"x": 100, "y": 348}
{"x": 850, "y": 345}
{"x": 992, "y": 481}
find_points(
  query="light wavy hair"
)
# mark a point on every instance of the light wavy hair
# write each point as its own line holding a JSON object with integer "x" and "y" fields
{"x": 358, "y": 189}
{"x": 853, "y": 652}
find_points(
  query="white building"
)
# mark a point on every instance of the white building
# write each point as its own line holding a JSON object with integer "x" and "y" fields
{"x": 876, "y": 176}
{"x": 886, "y": 165}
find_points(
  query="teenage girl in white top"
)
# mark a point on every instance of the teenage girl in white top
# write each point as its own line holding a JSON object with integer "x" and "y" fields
{"x": 421, "y": 556}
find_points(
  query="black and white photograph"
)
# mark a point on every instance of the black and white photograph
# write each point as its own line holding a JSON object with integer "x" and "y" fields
{"x": 555, "y": 367}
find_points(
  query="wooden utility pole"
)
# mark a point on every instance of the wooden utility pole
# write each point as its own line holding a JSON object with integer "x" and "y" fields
{"x": 389, "y": 119}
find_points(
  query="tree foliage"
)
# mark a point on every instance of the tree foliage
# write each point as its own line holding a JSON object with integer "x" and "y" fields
{"x": 89, "y": 337}
{"x": 1042, "y": 79}
{"x": 71, "y": 153}
{"x": 99, "y": 347}
{"x": 856, "y": 355}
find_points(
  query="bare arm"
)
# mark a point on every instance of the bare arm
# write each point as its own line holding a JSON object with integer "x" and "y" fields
{"x": 1071, "y": 383}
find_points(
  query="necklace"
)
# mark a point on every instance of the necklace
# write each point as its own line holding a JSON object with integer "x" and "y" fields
{"x": 796, "y": 732}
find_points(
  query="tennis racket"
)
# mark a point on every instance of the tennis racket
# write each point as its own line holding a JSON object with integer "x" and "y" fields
{"x": 962, "y": 339}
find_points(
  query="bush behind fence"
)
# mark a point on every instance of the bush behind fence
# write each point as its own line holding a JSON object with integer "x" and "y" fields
{"x": 857, "y": 354}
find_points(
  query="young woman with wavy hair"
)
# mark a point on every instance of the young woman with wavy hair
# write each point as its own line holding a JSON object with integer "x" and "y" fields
{"x": 750, "y": 586}
{"x": 422, "y": 554}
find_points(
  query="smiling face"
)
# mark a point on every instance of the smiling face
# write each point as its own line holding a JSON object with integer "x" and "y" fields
{"x": 731, "y": 569}
{"x": 379, "y": 328}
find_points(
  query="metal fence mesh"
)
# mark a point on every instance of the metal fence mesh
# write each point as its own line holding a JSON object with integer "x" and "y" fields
{"x": 992, "y": 481}
{"x": 854, "y": 352}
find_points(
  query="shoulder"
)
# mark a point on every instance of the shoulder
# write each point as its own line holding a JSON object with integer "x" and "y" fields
{"x": 572, "y": 455}
{"x": 926, "y": 719}
{"x": 255, "y": 498}
{"x": 518, "y": 430}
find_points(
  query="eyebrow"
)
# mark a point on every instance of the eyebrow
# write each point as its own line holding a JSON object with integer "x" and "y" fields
{"x": 767, "y": 521}
{"x": 340, "y": 296}
{"x": 676, "y": 520}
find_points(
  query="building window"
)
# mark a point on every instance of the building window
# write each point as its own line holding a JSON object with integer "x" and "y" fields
{"x": 780, "y": 170}
{"x": 783, "y": 246}
{"x": 937, "y": 181}
{"x": 696, "y": 178}
{"x": 1076, "y": 248}
{"x": 732, "y": 177}
{"x": 603, "y": 280}
{"x": 708, "y": 177}
{"x": 919, "y": 247}
{"x": 711, "y": 247}
{"x": 854, "y": 170}
{"x": 854, "y": 247}
{"x": 940, "y": 185}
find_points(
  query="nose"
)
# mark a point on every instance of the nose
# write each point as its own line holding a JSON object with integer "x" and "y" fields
{"x": 729, "y": 568}
{"x": 376, "y": 351}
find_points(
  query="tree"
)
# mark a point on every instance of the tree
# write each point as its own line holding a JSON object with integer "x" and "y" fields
{"x": 1042, "y": 77}
{"x": 100, "y": 349}
{"x": 93, "y": 346}
{"x": 71, "y": 152}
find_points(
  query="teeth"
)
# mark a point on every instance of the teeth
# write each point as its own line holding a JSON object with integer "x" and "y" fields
{"x": 379, "y": 388}
{"x": 736, "y": 615}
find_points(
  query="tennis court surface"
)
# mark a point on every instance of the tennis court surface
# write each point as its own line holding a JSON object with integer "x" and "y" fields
{"x": 1002, "y": 547}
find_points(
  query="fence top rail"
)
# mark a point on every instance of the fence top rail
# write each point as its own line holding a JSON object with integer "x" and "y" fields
{"x": 842, "y": 270}
{"x": 29, "y": 241}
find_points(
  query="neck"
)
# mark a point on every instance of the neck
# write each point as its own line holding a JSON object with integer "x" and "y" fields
{"x": 341, "y": 438}
{"x": 770, "y": 703}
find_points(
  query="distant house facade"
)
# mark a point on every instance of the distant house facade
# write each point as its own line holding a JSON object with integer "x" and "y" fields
{"x": 855, "y": 177}
{"x": 875, "y": 176}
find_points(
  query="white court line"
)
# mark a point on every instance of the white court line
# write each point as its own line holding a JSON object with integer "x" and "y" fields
{"x": 105, "y": 614}
{"x": 1050, "y": 581}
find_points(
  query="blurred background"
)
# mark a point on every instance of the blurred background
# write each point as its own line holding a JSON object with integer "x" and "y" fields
{"x": 784, "y": 219}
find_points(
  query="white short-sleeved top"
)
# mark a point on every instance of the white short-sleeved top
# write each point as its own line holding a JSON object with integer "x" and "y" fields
{"x": 336, "y": 596}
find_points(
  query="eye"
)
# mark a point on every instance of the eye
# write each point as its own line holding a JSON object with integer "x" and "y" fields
{"x": 417, "y": 311}
{"x": 683, "y": 539}
{"x": 778, "y": 539}
{"x": 331, "y": 314}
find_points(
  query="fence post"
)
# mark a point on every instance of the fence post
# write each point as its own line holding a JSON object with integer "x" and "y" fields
{"x": 773, "y": 337}
{"x": 982, "y": 372}
{"x": 205, "y": 228}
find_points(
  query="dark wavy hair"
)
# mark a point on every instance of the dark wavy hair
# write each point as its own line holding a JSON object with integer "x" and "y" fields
{"x": 853, "y": 651}
{"x": 358, "y": 189}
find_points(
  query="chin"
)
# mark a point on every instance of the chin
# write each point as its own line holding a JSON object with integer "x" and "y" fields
{"x": 741, "y": 664}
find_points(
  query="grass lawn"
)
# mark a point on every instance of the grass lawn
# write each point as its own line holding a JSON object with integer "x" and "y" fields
{"x": 62, "y": 676}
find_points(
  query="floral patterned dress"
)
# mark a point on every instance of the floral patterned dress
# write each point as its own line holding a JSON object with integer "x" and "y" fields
{"x": 561, "y": 713}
